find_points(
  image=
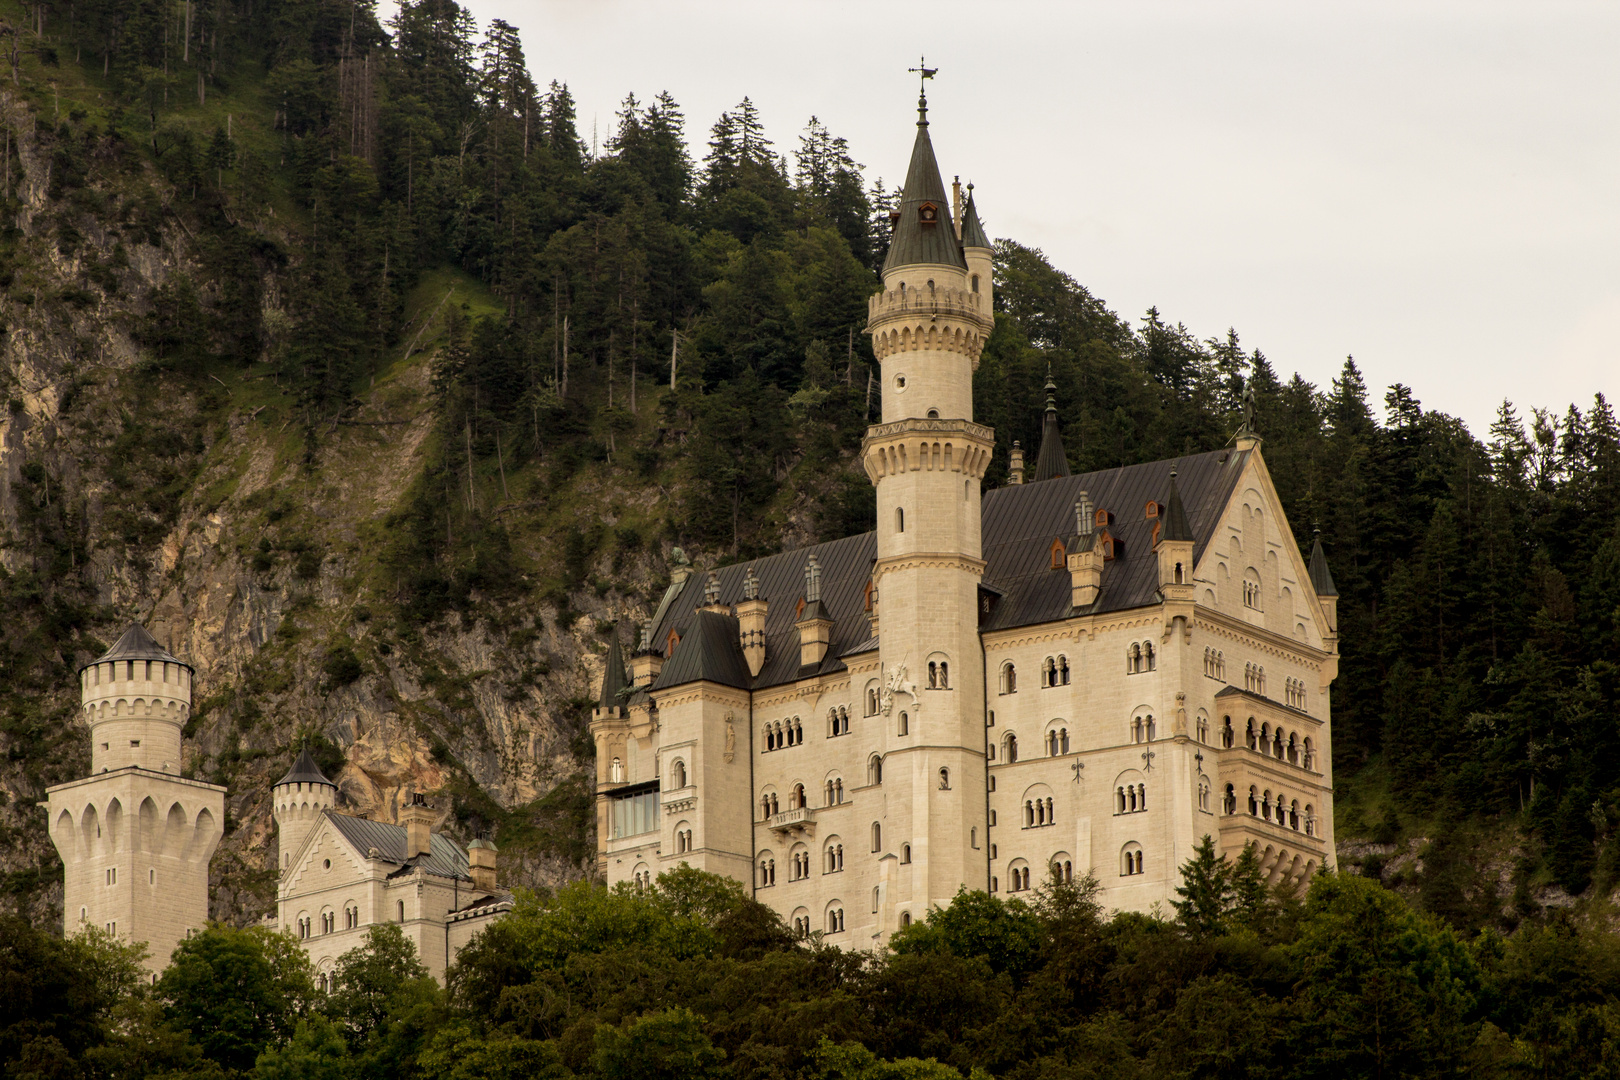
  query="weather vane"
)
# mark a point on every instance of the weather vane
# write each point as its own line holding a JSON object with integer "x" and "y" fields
{"x": 923, "y": 69}
{"x": 927, "y": 73}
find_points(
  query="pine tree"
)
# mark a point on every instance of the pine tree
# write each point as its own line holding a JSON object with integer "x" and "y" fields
{"x": 1206, "y": 891}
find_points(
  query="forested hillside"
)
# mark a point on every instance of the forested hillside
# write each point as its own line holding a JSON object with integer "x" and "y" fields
{"x": 334, "y": 353}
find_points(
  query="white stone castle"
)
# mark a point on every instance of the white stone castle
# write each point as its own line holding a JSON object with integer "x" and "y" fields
{"x": 1081, "y": 673}
{"x": 136, "y": 837}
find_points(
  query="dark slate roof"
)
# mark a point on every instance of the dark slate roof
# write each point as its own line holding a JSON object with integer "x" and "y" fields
{"x": 1175, "y": 525}
{"x": 136, "y": 644}
{"x": 1239, "y": 692}
{"x": 1321, "y": 578}
{"x": 913, "y": 241}
{"x": 446, "y": 858}
{"x": 710, "y": 649}
{"x": 1053, "y": 462}
{"x": 972, "y": 232}
{"x": 1020, "y": 522}
{"x": 305, "y": 771}
{"x": 613, "y": 678}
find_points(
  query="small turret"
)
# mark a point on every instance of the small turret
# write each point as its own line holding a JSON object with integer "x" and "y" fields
{"x": 136, "y": 700}
{"x": 646, "y": 661}
{"x": 1322, "y": 583}
{"x": 814, "y": 623}
{"x": 1053, "y": 462}
{"x": 299, "y": 799}
{"x": 978, "y": 253}
{"x": 1175, "y": 548}
{"x": 611, "y": 702}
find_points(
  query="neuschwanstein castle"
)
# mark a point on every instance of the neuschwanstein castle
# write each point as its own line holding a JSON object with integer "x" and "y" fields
{"x": 1069, "y": 674}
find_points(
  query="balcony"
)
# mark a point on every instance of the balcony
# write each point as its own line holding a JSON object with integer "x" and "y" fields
{"x": 794, "y": 822}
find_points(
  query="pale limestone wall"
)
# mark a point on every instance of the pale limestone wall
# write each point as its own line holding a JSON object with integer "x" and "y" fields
{"x": 330, "y": 878}
{"x": 135, "y": 847}
{"x": 692, "y": 731}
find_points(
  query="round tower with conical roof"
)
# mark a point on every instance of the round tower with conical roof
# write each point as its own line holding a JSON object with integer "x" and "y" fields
{"x": 136, "y": 699}
{"x": 299, "y": 799}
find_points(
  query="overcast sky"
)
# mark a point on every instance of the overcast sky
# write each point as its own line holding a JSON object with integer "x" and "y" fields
{"x": 1430, "y": 187}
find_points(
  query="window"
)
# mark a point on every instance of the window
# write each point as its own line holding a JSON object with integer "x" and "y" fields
{"x": 767, "y": 872}
{"x": 992, "y": 779}
{"x": 1131, "y": 860}
{"x": 1150, "y": 656}
{"x": 112, "y": 876}
{"x": 1063, "y": 671}
{"x": 796, "y": 799}
{"x": 1059, "y": 556}
{"x": 905, "y": 724}
{"x": 1057, "y": 742}
{"x": 899, "y": 514}
{"x": 1310, "y": 754}
{"x": 635, "y": 810}
{"x": 905, "y": 853}
{"x": 973, "y": 841}
{"x": 1048, "y": 673}
{"x": 1214, "y": 664}
{"x": 992, "y": 818}
{"x": 1203, "y": 729}
{"x": 616, "y": 771}
{"x": 1251, "y": 590}
{"x": 801, "y": 926}
{"x": 768, "y": 807}
{"x": 677, "y": 775}
{"x": 800, "y": 864}
{"x": 1310, "y": 820}
{"x": 1228, "y": 738}
{"x": 838, "y": 722}
{"x": 1203, "y": 794}
{"x": 1294, "y": 694}
{"x": 944, "y": 779}
{"x": 877, "y": 896}
{"x": 833, "y": 856}
{"x": 1038, "y": 812}
{"x": 874, "y": 769}
{"x": 877, "y": 837}
{"x": 400, "y": 916}
{"x": 1254, "y": 803}
{"x": 1229, "y": 801}
{"x": 1019, "y": 874}
{"x": 871, "y": 701}
{"x": 1009, "y": 748}
{"x": 151, "y": 877}
{"x": 683, "y": 840}
{"x": 975, "y": 289}
{"x": 835, "y": 920}
{"x": 1254, "y": 679}
{"x": 1143, "y": 728}
{"x": 1009, "y": 678}
{"x": 1133, "y": 659}
{"x": 1062, "y": 868}
{"x": 833, "y": 791}
{"x": 1130, "y": 798}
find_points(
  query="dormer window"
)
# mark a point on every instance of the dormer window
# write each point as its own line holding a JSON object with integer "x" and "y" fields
{"x": 673, "y": 640}
{"x": 928, "y": 214}
{"x": 1153, "y": 510}
{"x": 1059, "y": 555}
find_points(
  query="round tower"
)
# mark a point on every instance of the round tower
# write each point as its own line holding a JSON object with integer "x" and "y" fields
{"x": 299, "y": 799}
{"x": 136, "y": 700}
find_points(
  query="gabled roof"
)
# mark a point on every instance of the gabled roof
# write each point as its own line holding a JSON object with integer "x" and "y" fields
{"x": 305, "y": 771}
{"x": 613, "y": 679}
{"x": 972, "y": 232}
{"x": 1018, "y": 522}
{"x": 446, "y": 859}
{"x": 710, "y": 650}
{"x": 913, "y": 242}
{"x": 1321, "y": 578}
{"x": 136, "y": 644}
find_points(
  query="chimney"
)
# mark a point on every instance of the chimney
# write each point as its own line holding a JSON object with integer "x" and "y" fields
{"x": 956, "y": 206}
{"x": 1086, "y": 559}
{"x": 1015, "y": 464}
{"x": 814, "y": 623}
{"x": 751, "y": 623}
{"x": 481, "y": 864}
{"x": 646, "y": 661}
{"x": 711, "y": 595}
{"x": 417, "y": 817}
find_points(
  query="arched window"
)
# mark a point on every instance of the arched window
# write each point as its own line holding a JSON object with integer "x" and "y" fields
{"x": 1009, "y": 678}
{"x": 1265, "y": 804}
{"x": 401, "y": 913}
{"x": 871, "y": 701}
{"x": 1049, "y": 672}
{"x": 1249, "y": 734}
{"x": 1293, "y": 748}
{"x": 1229, "y": 801}
{"x": 1133, "y": 659}
{"x": 933, "y": 675}
{"x": 677, "y": 775}
{"x": 874, "y": 769}
{"x": 944, "y": 779}
{"x": 1293, "y": 815}
{"x": 1179, "y": 576}
{"x": 767, "y": 872}
{"x": 973, "y": 840}
{"x": 1131, "y": 860}
{"x": 1228, "y": 738}
{"x": 1149, "y": 655}
{"x": 905, "y": 724}
{"x": 616, "y": 771}
{"x": 835, "y": 920}
{"x": 877, "y": 895}
{"x": 1203, "y": 794}
{"x": 1203, "y": 729}
{"x": 1009, "y": 748}
{"x": 1310, "y": 820}
{"x": 1310, "y": 754}
{"x": 905, "y": 853}
{"x": 877, "y": 836}
{"x": 1063, "y": 671}
{"x": 1059, "y": 556}
{"x": 833, "y": 856}
{"x": 944, "y": 675}
{"x": 796, "y": 799}
{"x": 1254, "y": 803}
{"x": 899, "y": 520}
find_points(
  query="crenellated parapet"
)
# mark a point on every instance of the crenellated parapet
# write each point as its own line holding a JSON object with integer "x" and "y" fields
{"x": 918, "y": 445}
{"x": 928, "y": 318}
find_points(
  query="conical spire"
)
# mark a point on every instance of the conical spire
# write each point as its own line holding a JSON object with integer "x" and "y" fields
{"x": 1053, "y": 462}
{"x": 972, "y": 232}
{"x": 613, "y": 678}
{"x": 1175, "y": 516}
{"x": 1321, "y": 579}
{"x": 136, "y": 644}
{"x": 305, "y": 771}
{"x": 923, "y": 233}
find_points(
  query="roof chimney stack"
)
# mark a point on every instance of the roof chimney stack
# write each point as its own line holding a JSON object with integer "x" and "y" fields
{"x": 481, "y": 864}
{"x": 1015, "y": 464}
{"x": 417, "y": 817}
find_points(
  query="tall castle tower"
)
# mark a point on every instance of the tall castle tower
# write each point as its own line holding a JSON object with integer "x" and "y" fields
{"x": 927, "y": 459}
{"x": 299, "y": 799}
{"x": 135, "y": 836}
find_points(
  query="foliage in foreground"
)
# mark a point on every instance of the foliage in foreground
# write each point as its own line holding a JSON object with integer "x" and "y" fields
{"x": 694, "y": 979}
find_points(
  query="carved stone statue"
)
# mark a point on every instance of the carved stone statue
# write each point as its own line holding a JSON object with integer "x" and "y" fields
{"x": 731, "y": 741}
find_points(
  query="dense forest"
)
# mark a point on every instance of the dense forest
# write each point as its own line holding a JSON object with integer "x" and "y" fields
{"x": 243, "y": 239}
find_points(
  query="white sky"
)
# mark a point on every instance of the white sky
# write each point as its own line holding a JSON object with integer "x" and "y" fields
{"x": 1433, "y": 187}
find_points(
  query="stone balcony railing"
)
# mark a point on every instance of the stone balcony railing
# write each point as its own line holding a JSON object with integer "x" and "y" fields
{"x": 794, "y": 821}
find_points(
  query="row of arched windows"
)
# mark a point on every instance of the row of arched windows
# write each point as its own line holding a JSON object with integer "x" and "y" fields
{"x": 1251, "y": 590}
{"x": 1254, "y": 679}
{"x": 683, "y": 841}
{"x": 1057, "y": 742}
{"x": 837, "y": 722}
{"x": 1214, "y": 663}
{"x": 1143, "y": 728}
{"x": 1270, "y": 742}
{"x": 783, "y": 733}
{"x": 1140, "y": 657}
{"x": 1294, "y": 693}
{"x": 767, "y": 873}
{"x": 1130, "y": 799}
{"x": 1038, "y": 813}
{"x": 1130, "y": 860}
{"x": 1278, "y": 809}
{"x": 833, "y": 792}
{"x": 939, "y": 675}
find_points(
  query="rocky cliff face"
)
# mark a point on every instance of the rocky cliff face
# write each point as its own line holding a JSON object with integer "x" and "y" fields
{"x": 208, "y": 510}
